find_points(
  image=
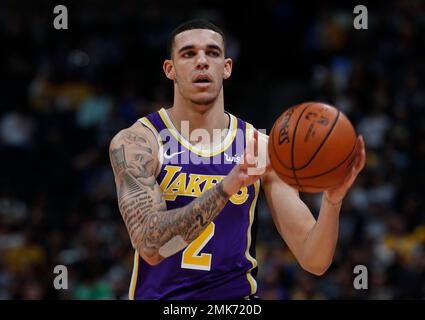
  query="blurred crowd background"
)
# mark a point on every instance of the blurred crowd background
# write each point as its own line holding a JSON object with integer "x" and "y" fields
{"x": 65, "y": 93}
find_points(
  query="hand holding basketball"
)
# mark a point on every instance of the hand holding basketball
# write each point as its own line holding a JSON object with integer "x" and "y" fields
{"x": 336, "y": 194}
{"x": 313, "y": 147}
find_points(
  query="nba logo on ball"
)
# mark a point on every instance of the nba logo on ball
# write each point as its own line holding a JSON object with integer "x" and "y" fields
{"x": 312, "y": 146}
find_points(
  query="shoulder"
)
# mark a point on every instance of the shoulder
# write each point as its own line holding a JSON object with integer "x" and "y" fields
{"x": 137, "y": 134}
{"x": 136, "y": 144}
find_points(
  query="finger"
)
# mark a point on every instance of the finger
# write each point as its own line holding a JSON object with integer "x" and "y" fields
{"x": 245, "y": 177}
{"x": 349, "y": 179}
{"x": 357, "y": 154}
{"x": 248, "y": 159}
{"x": 361, "y": 155}
{"x": 355, "y": 169}
{"x": 356, "y": 165}
{"x": 255, "y": 137}
{"x": 249, "y": 154}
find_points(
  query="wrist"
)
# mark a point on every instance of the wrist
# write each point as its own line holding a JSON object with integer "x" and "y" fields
{"x": 226, "y": 187}
{"x": 332, "y": 202}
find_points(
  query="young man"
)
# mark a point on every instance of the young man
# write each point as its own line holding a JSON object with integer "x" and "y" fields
{"x": 188, "y": 204}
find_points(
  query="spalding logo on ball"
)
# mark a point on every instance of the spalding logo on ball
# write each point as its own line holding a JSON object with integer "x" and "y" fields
{"x": 312, "y": 146}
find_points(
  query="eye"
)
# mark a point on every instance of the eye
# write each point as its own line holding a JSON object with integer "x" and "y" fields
{"x": 214, "y": 54}
{"x": 188, "y": 54}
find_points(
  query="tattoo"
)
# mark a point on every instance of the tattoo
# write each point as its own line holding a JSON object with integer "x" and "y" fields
{"x": 201, "y": 220}
{"x": 142, "y": 204}
{"x": 188, "y": 221}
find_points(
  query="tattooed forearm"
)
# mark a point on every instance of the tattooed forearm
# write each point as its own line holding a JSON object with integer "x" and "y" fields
{"x": 154, "y": 228}
{"x": 188, "y": 221}
{"x": 142, "y": 204}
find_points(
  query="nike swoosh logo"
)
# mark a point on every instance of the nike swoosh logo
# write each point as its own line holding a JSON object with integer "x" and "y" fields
{"x": 169, "y": 156}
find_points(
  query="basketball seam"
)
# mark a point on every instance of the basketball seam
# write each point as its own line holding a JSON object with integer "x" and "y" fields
{"x": 273, "y": 145}
{"x": 311, "y": 186}
{"x": 276, "y": 154}
{"x": 326, "y": 172}
{"x": 321, "y": 144}
{"x": 294, "y": 134}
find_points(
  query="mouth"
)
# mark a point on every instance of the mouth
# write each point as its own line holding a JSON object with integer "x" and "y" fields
{"x": 202, "y": 79}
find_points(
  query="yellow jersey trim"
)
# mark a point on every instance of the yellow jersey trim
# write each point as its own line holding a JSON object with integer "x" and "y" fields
{"x": 249, "y": 276}
{"x": 134, "y": 275}
{"x": 223, "y": 146}
{"x": 249, "y": 132}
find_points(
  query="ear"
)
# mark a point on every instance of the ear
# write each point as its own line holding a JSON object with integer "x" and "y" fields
{"x": 168, "y": 68}
{"x": 228, "y": 63}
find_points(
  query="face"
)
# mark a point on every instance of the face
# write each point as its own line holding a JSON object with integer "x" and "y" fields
{"x": 198, "y": 66}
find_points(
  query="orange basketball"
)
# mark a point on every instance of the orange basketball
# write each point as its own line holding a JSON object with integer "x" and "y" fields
{"x": 312, "y": 146}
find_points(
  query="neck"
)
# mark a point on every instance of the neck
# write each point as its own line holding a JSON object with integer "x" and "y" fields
{"x": 207, "y": 117}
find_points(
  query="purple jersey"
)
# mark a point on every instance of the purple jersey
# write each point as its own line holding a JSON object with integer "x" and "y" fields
{"x": 220, "y": 263}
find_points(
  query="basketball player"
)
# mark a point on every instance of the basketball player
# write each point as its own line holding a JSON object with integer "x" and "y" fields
{"x": 191, "y": 224}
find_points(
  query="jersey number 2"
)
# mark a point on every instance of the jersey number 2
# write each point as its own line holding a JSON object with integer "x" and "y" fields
{"x": 191, "y": 259}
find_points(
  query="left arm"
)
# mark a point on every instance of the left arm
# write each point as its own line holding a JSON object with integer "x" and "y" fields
{"x": 312, "y": 242}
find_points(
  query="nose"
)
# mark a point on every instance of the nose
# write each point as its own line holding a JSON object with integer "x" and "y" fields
{"x": 202, "y": 61}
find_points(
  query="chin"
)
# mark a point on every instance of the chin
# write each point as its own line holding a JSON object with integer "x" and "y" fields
{"x": 204, "y": 98}
{"x": 204, "y": 101}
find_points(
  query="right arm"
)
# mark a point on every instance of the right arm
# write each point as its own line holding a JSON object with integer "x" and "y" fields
{"x": 152, "y": 228}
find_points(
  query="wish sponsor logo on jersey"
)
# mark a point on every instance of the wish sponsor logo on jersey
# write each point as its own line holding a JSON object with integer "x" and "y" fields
{"x": 177, "y": 183}
{"x": 232, "y": 159}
